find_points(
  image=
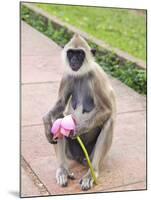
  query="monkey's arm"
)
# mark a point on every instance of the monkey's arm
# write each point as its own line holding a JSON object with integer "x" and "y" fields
{"x": 58, "y": 109}
{"x": 89, "y": 121}
{"x": 63, "y": 97}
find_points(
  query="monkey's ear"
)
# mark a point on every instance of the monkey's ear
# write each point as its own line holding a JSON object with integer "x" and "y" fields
{"x": 76, "y": 35}
{"x": 62, "y": 46}
{"x": 93, "y": 51}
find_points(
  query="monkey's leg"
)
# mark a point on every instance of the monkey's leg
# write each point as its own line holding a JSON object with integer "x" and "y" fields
{"x": 62, "y": 173}
{"x": 101, "y": 148}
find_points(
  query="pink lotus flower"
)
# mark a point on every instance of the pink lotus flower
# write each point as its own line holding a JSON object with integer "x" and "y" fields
{"x": 62, "y": 127}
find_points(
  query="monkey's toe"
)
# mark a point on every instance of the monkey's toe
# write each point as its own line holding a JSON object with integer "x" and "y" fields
{"x": 86, "y": 183}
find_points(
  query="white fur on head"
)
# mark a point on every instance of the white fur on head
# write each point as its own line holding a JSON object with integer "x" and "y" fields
{"x": 77, "y": 42}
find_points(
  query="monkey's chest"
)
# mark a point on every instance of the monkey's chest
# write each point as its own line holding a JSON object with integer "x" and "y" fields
{"x": 82, "y": 97}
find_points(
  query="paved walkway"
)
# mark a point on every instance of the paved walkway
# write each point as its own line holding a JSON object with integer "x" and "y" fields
{"x": 124, "y": 167}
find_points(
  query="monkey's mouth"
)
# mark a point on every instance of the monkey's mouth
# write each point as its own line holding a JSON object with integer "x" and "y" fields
{"x": 75, "y": 67}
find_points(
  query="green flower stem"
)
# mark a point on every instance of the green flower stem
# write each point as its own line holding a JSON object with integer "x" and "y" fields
{"x": 88, "y": 159}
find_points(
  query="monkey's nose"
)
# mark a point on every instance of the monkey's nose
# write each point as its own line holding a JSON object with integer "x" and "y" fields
{"x": 75, "y": 65}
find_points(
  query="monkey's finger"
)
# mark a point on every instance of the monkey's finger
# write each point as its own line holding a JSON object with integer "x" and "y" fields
{"x": 62, "y": 180}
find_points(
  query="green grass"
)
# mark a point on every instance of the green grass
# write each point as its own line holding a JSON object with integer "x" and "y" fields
{"x": 120, "y": 28}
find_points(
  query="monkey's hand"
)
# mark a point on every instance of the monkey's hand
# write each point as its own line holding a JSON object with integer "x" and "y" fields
{"x": 47, "y": 126}
{"x": 79, "y": 129}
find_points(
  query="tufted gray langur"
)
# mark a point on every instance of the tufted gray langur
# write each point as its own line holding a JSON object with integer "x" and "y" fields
{"x": 86, "y": 93}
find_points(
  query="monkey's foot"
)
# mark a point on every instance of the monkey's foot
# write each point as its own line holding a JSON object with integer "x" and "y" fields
{"x": 86, "y": 182}
{"x": 62, "y": 175}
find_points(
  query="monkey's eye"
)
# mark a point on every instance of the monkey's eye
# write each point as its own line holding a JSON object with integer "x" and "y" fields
{"x": 70, "y": 53}
{"x": 81, "y": 52}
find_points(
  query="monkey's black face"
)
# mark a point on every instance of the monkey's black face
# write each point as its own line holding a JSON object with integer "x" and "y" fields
{"x": 76, "y": 58}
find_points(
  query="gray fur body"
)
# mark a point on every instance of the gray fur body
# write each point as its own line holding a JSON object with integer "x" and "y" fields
{"x": 81, "y": 102}
{"x": 88, "y": 96}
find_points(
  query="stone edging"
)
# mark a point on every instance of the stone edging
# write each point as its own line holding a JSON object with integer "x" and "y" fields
{"x": 37, "y": 182}
{"x": 122, "y": 55}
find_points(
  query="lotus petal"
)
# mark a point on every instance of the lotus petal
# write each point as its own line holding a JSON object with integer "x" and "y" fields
{"x": 56, "y": 126}
{"x": 68, "y": 123}
{"x": 58, "y": 135}
{"x": 65, "y": 132}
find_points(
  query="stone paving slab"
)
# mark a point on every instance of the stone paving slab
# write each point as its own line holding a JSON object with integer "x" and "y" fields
{"x": 124, "y": 167}
{"x": 34, "y": 43}
{"x": 135, "y": 186}
{"x": 44, "y": 69}
{"x": 37, "y": 99}
{"x": 27, "y": 186}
